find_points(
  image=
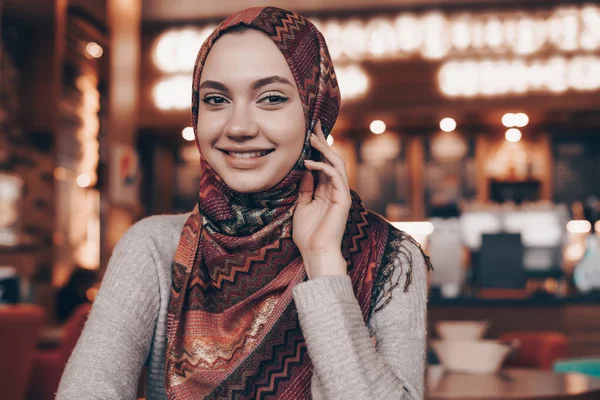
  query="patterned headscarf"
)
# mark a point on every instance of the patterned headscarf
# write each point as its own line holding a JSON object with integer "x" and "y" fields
{"x": 233, "y": 329}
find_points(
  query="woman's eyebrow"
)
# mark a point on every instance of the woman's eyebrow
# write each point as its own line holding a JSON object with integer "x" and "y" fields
{"x": 258, "y": 84}
{"x": 214, "y": 85}
{"x": 270, "y": 79}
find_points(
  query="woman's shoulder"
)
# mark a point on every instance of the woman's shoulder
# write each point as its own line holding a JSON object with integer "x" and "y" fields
{"x": 156, "y": 237}
{"x": 158, "y": 225}
{"x": 149, "y": 244}
{"x": 156, "y": 228}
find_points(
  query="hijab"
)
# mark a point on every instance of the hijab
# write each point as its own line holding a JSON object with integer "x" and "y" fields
{"x": 232, "y": 326}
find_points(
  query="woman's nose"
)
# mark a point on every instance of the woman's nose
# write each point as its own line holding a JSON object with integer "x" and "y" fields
{"x": 241, "y": 124}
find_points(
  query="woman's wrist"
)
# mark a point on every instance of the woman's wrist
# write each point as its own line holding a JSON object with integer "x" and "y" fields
{"x": 320, "y": 264}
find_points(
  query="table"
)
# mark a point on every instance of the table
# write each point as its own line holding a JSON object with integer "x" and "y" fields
{"x": 510, "y": 384}
{"x": 587, "y": 365}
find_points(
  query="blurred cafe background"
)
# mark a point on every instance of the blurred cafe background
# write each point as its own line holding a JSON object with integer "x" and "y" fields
{"x": 473, "y": 125}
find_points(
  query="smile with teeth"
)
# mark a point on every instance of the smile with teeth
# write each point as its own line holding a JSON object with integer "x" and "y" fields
{"x": 248, "y": 154}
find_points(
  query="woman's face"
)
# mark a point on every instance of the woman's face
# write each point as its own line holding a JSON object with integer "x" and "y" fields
{"x": 251, "y": 125}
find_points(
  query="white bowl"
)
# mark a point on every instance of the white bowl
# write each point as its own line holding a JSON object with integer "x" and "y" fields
{"x": 471, "y": 356}
{"x": 461, "y": 330}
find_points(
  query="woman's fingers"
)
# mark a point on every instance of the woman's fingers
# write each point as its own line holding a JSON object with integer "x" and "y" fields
{"x": 319, "y": 142}
{"x": 320, "y": 136}
{"x": 322, "y": 177}
{"x": 306, "y": 189}
{"x": 334, "y": 176}
{"x": 329, "y": 157}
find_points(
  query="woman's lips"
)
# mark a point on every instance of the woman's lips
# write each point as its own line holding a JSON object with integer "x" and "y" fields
{"x": 245, "y": 162}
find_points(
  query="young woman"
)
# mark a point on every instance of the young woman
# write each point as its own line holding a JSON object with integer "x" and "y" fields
{"x": 279, "y": 284}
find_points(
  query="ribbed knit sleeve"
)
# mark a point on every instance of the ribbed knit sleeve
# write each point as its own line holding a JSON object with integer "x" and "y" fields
{"x": 347, "y": 365}
{"x": 110, "y": 354}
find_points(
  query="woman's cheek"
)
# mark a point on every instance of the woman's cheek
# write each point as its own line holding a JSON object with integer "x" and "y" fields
{"x": 283, "y": 129}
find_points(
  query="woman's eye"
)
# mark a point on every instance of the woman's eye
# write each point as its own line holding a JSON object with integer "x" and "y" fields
{"x": 214, "y": 100}
{"x": 273, "y": 99}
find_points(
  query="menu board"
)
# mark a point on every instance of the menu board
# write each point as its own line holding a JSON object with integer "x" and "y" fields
{"x": 576, "y": 167}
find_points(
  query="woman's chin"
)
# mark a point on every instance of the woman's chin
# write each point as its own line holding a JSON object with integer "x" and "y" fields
{"x": 248, "y": 185}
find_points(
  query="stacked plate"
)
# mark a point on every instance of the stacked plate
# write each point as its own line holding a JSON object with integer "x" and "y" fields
{"x": 461, "y": 347}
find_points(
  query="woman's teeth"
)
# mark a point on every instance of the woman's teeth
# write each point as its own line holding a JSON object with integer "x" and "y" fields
{"x": 249, "y": 154}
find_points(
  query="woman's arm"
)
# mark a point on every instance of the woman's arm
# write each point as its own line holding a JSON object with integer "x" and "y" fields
{"x": 110, "y": 354}
{"x": 346, "y": 363}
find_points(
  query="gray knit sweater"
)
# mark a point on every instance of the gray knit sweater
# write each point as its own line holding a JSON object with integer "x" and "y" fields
{"x": 127, "y": 326}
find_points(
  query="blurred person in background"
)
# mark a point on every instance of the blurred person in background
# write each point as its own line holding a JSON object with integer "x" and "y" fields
{"x": 279, "y": 283}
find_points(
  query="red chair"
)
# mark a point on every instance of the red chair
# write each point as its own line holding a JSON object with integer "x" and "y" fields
{"x": 49, "y": 365}
{"x": 20, "y": 329}
{"x": 537, "y": 349}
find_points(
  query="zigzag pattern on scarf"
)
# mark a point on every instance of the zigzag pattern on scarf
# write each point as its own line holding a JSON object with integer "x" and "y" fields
{"x": 267, "y": 372}
{"x": 238, "y": 277}
{"x": 287, "y": 28}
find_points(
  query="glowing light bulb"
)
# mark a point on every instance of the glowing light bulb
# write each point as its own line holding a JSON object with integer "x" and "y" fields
{"x": 94, "y": 50}
{"x": 83, "y": 181}
{"x": 448, "y": 124}
{"x": 508, "y": 120}
{"x": 377, "y": 127}
{"x": 513, "y": 135}
{"x": 579, "y": 226}
{"x": 188, "y": 133}
{"x": 521, "y": 120}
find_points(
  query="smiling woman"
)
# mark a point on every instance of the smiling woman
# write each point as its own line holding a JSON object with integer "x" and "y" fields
{"x": 250, "y": 120}
{"x": 279, "y": 282}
